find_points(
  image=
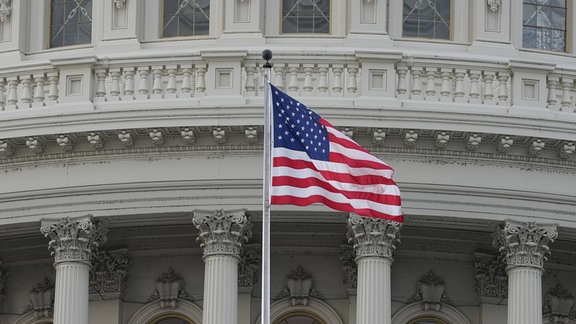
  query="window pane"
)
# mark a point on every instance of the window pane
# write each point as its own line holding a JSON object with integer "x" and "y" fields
{"x": 544, "y": 25}
{"x": 306, "y": 16}
{"x": 427, "y": 18}
{"x": 186, "y": 17}
{"x": 70, "y": 22}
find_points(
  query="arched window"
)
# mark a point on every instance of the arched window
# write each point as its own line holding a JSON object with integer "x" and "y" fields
{"x": 427, "y": 320}
{"x": 299, "y": 318}
{"x": 171, "y": 319}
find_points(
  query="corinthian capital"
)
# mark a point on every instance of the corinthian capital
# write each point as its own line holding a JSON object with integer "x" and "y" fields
{"x": 222, "y": 232}
{"x": 525, "y": 244}
{"x": 73, "y": 239}
{"x": 373, "y": 236}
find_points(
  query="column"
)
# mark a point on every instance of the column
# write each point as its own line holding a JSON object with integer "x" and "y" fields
{"x": 374, "y": 242}
{"x": 222, "y": 236}
{"x": 525, "y": 247}
{"x": 72, "y": 242}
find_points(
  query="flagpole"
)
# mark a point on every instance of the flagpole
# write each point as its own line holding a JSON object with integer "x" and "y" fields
{"x": 265, "y": 311}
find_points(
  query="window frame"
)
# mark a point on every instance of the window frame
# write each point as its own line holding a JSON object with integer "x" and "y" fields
{"x": 300, "y": 34}
{"x": 48, "y": 29}
{"x": 161, "y": 25}
{"x": 167, "y": 316}
{"x": 298, "y": 313}
{"x": 568, "y": 31}
{"x": 451, "y": 26}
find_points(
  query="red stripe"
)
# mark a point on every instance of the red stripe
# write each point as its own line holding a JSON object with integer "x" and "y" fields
{"x": 385, "y": 199}
{"x": 367, "y": 179}
{"x": 290, "y": 200}
{"x": 347, "y": 143}
{"x": 341, "y": 158}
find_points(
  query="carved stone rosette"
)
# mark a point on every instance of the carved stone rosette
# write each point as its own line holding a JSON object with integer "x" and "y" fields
{"x": 525, "y": 244}
{"x": 248, "y": 266}
{"x": 373, "y": 236}
{"x": 222, "y": 232}
{"x": 108, "y": 274}
{"x": 491, "y": 278}
{"x": 73, "y": 239}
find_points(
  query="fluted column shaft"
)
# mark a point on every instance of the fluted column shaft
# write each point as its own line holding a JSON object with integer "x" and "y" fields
{"x": 373, "y": 292}
{"x": 374, "y": 243}
{"x": 73, "y": 240}
{"x": 525, "y": 247}
{"x": 222, "y": 236}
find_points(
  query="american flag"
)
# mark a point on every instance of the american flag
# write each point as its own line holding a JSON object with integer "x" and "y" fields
{"x": 315, "y": 163}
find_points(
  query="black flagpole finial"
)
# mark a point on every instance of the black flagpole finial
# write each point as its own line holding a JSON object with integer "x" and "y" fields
{"x": 267, "y": 55}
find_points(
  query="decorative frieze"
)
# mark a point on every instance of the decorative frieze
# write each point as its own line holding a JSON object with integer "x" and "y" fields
{"x": 188, "y": 136}
{"x": 65, "y": 143}
{"x": 248, "y": 266}
{"x": 441, "y": 140}
{"x": 219, "y": 135}
{"x": 35, "y": 145}
{"x": 222, "y": 232}
{"x": 430, "y": 292}
{"x": 95, "y": 141}
{"x": 251, "y": 133}
{"x": 491, "y": 278}
{"x": 157, "y": 137}
{"x": 73, "y": 239}
{"x": 473, "y": 141}
{"x": 170, "y": 288}
{"x": 299, "y": 287}
{"x": 410, "y": 138}
{"x": 126, "y": 138}
{"x": 524, "y": 244}
{"x": 349, "y": 266}
{"x": 42, "y": 299}
{"x": 378, "y": 137}
{"x": 373, "y": 236}
{"x": 108, "y": 274}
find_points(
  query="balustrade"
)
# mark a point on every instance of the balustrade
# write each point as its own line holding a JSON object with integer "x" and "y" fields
{"x": 28, "y": 90}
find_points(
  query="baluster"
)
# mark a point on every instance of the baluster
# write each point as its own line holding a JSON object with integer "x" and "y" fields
{"x": 186, "y": 84}
{"x": 144, "y": 84}
{"x": 446, "y": 88}
{"x": 39, "y": 96}
{"x": 566, "y": 101}
{"x": 308, "y": 87}
{"x": 157, "y": 91}
{"x": 279, "y": 77}
{"x": 474, "y": 86}
{"x": 416, "y": 93}
{"x": 488, "y": 90}
{"x": 431, "y": 74}
{"x": 2, "y": 95}
{"x": 503, "y": 87}
{"x": 100, "y": 85}
{"x": 201, "y": 80}
{"x": 129, "y": 84}
{"x": 459, "y": 92}
{"x": 337, "y": 70}
{"x": 12, "y": 97}
{"x": 323, "y": 80}
{"x": 261, "y": 81}
{"x": 26, "y": 98}
{"x": 250, "y": 86}
{"x": 171, "y": 85}
{"x": 402, "y": 87}
{"x": 53, "y": 79}
{"x": 293, "y": 81}
{"x": 115, "y": 86}
{"x": 352, "y": 86}
{"x": 552, "y": 99}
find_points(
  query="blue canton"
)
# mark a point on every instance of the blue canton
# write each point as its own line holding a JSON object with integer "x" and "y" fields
{"x": 298, "y": 128}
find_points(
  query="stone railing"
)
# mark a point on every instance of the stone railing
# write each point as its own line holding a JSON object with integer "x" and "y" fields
{"x": 364, "y": 79}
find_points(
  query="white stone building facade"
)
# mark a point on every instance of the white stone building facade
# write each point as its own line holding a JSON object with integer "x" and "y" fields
{"x": 131, "y": 161}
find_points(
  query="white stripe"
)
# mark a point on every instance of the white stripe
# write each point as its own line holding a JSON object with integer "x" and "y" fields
{"x": 357, "y": 154}
{"x": 381, "y": 189}
{"x": 336, "y": 197}
{"x": 330, "y": 166}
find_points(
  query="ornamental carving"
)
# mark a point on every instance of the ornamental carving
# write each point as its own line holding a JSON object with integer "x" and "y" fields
{"x": 491, "y": 277}
{"x": 299, "y": 287}
{"x": 559, "y": 305}
{"x": 430, "y": 292}
{"x": 170, "y": 288}
{"x": 5, "y": 10}
{"x": 108, "y": 274}
{"x": 494, "y": 5}
{"x": 524, "y": 244}
{"x": 373, "y": 236}
{"x": 42, "y": 299}
{"x": 73, "y": 239}
{"x": 222, "y": 232}
{"x": 349, "y": 266}
{"x": 248, "y": 266}
{"x": 119, "y": 3}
